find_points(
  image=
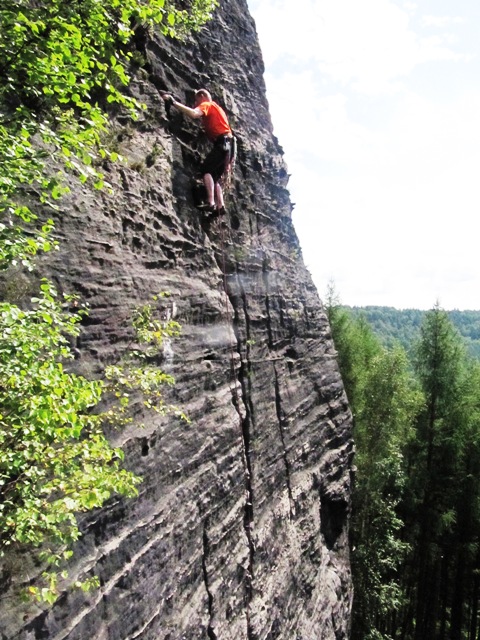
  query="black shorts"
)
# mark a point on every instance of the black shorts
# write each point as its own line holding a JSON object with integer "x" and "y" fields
{"x": 217, "y": 159}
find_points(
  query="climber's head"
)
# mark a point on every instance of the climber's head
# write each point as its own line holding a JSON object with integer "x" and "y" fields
{"x": 202, "y": 95}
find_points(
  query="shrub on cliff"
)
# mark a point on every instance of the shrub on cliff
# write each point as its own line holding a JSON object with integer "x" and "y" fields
{"x": 55, "y": 460}
{"x": 62, "y": 63}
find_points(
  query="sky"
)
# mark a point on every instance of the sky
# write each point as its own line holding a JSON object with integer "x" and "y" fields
{"x": 377, "y": 107}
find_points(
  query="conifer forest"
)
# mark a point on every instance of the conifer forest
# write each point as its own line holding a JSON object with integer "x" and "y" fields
{"x": 416, "y": 520}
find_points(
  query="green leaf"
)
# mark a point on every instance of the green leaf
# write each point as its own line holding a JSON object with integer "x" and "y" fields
{"x": 54, "y": 457}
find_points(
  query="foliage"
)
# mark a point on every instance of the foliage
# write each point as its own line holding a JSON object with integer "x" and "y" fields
{"x": 383, "y": 428}
{"x": 356, "y": 345}
{"x": 55, "y": 460}
{"x": 416, "y": 504}
{"x": 384, "y": 401}
{"x": 403, "y": 325}
{"x": 438, "y": 359}
{"x": 61, "y": 64}
{"x": 435, "y": 483}
{"x": 64, "y": 65}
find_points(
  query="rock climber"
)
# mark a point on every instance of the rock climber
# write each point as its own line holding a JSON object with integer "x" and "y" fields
{"x": 218, "y": 131}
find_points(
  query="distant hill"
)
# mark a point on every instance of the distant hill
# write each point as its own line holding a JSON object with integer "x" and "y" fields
{"x": 403, "y": 325}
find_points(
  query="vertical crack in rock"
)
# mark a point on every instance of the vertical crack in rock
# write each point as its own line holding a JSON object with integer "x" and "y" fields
{"x": 267, "y": 301}
{"x": 247, "y": 422}
{"x": 206, "y": 551}
{"x": 281, "y": 428}
{"x": 246, "y": 417}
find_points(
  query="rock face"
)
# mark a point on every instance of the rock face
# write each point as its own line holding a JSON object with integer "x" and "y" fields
{"x": 241, "y": 527}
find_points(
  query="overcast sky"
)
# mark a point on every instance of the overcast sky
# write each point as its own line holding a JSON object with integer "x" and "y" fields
{"x": 377, "y": 107}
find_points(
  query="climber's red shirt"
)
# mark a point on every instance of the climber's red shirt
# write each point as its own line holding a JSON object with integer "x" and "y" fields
{"x": 214, "y": 120}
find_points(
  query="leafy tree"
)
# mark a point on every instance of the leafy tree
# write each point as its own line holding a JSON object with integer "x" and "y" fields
{"x": 63, "y": 65}
{"x": 55, "y": 460}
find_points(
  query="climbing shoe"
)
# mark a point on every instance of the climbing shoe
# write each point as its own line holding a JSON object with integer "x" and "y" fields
{"x": 207, "y": 208}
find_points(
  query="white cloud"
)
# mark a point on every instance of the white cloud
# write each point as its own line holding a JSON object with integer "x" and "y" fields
{"x": 323, "y": 128}
{"x": 369, "y": 44}
{"x": 384, "y": 173}
{"x": 441, "y": 21}
{"x": 410, "y": 6}
{"x": 397, "y": 226}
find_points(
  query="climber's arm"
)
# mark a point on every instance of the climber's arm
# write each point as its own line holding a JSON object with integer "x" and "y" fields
{"x": 191, "y": 113}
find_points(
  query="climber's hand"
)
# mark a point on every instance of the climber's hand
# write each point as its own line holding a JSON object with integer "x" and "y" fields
{"x": 167, "y": 98}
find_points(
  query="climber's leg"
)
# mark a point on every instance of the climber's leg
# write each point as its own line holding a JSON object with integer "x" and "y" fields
{"x": 210, "y": 187}
{"x": 212, "y": 169}
{"x": 219, "y": 195}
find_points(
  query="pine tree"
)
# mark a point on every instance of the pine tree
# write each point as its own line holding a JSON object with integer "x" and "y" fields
{"x": 382, "y": 429}
{"x": 384, "y": 402}
{"x": 439, "y": 364}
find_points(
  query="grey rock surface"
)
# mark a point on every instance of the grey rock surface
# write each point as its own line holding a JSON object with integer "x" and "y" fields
{"x": 240, "y": 530}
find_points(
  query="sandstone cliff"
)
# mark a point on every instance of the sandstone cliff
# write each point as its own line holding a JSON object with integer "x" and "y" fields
{"x": 240, "y": 529}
